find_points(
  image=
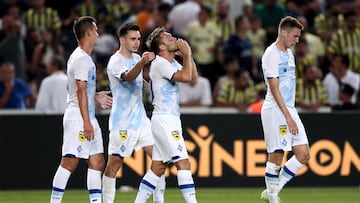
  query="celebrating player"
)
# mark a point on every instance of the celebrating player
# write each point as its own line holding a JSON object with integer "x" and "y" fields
{"x": 169, "y": 145}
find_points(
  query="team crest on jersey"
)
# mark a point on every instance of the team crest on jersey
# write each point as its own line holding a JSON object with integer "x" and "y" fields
{"x": 81, "y": 136}
{"x": 283, "y": 129}
{"x": 176, "y": 135}
{"x": 123, "y": 135}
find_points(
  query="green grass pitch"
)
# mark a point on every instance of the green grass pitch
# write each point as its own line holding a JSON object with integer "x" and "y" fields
{"x": 205, "y": 195}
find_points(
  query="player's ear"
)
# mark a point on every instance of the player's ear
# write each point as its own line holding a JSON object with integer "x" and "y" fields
{"x": 162, "y": 47}
{"x": 122, "y": 40}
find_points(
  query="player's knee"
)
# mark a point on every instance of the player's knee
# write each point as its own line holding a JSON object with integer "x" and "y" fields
{"x": 183, "y": 164}
{"x": 303, "y": 158}
{"x": 158, "y": 168}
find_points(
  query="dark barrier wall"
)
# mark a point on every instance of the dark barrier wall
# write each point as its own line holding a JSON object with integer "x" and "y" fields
{"x": 226, "y": 150}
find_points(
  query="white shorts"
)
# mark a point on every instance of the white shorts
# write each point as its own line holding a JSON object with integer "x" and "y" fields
{"x": 276, "y": 132}
{"x": 169, "y": 144}
{"x": 76, "y": 145}
{"x": 124, "y": 142}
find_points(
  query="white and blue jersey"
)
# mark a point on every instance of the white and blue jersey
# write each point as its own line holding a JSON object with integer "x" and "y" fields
{"x": 165, "y": 91}
{"x": 279, "y": 64}
{"x": 127, "y": 111}
{"x": 81, "y": 67}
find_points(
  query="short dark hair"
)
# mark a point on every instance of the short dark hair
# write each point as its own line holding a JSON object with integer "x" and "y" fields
{"x": 344, "y": 59}
{"x": 123, "y": 30}
{"x": 154, "y": 40}
{"x": 289, "y": 22}
{"x": 58, "y": 62}
{"x": 81, "y": 25}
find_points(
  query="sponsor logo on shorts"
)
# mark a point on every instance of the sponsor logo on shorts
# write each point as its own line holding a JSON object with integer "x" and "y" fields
{"x": 123, "y": 135}
{"x": 81, "y": 136}
{"x": 283, "y": 129}
{"x": 176, "y": 135}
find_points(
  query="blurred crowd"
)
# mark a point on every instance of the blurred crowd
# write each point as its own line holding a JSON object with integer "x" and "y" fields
{"x": 227, "y": 37}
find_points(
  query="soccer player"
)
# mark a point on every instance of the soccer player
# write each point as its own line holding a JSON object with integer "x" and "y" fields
{"x": 82, "y": 137}
{"x": 283, "y": 129}
{"x": 169, "y": 147}
{"x": 129, "y": 126}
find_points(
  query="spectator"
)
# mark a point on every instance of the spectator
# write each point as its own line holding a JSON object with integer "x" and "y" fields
{"x": 202, "y": 35}
{"x": 238, "y": 94}
{"x": 302, "y": 57}
{"x": 196, "y": 93}
{"x": 340, "y": 42}
{"x": 257, "y": 36}
{"x": 328, "y": 22}
{"x": 12, "y": 47}
{"x": 146, "y": 18}
{"x": 315, "y": 47}
{"x": 225, "y": 26}
{"x": 339, "y": 71}
{"x": 237, "y": 8}
{"x": 230, "y": 66}
{"x": 307, "y": 8}
{"x": 345, "y": 94}
{"x": 239, "y": 43}
{"x": 255, "y": 107}
{"x": 311, "y": 93}
{"x": 87, "y": 8}
{"x": 48, "y": 100}
{"x": 270, "y": 13}
{"x": 106, "y": 45}
{"x": 135, "y": 7}
{"x": 14, "y": 92}
{"x": 48, "y": 47}
{"x": 182, "y": 14}
{"x": 38, "y": 10}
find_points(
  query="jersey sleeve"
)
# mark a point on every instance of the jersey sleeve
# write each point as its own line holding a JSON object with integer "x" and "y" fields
{"x": 82, "y": 69}
{"x": 118, "y": 68}
{"x": 270, "y": 63}
{"x": 166, "y": 70}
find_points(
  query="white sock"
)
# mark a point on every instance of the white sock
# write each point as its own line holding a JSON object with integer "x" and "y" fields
{"x": 109, "y": 189}
{"x": 186, "y": 185}
{"x": 146, "y": 187}
{"x": 288, "y": 171}
{"x": 94, "y": 185}
{"x": 59, "y": 184}
{"x": 272, "y": 181}
{"x": 158, "y": 196}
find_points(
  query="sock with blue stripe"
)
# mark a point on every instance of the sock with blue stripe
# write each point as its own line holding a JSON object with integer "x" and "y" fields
{"x": 94, "y": 185}
{"x": 288, "y": 171}
{"x": 158, "y": 196}
{"x": 272, "y": 181}
{"x": 59, "y": 184}
{"x": 147, "y": 186}
{"x": 186, "y": 185}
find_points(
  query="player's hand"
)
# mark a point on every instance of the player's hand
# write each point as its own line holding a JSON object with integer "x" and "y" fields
{"x": 292, "y": 126}
{"x": 148, "y": 56}
{"x": 184, "y": 48}
{"x": 104, "y": 99}
{"x": 88, "y": 130}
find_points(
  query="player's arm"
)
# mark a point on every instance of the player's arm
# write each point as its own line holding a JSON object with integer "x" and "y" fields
{"x": 194, "y": 73}
{"x": 134, "y": 72}
{"x": 274, "y": 88}
{"x": 84, "y": 109}
{"x": 185, "y": 74}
